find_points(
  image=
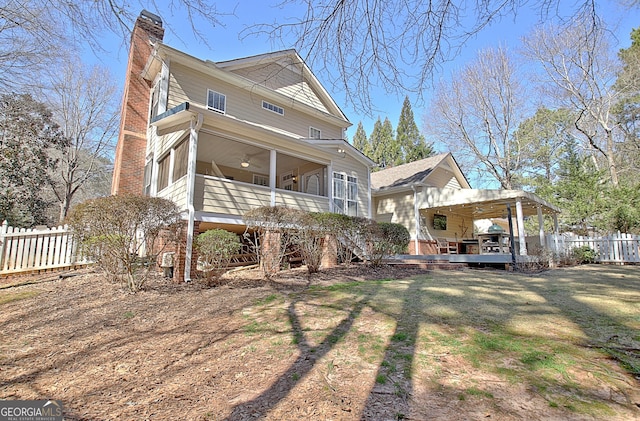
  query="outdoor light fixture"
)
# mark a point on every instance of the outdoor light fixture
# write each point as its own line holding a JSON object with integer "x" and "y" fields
{"x": 245, "y": 162}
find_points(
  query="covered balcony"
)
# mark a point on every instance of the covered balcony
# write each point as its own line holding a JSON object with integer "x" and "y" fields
{"x": 233, "y": 177}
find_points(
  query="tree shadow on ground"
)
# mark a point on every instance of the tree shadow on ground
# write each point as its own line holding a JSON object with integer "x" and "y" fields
{"x": 304, "y": 363}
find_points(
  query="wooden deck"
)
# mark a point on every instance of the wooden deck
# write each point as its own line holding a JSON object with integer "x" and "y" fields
{"x": 451, "y": 261}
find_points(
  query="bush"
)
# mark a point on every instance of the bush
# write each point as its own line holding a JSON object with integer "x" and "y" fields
{"x": 386, "y": 239}
{"x": 216, "y": 247}
{"x": 305, "y": 232}
{"x": 296, "y": 232}
{"x": 584, "y": 254}
{"x": 125, "y": 234}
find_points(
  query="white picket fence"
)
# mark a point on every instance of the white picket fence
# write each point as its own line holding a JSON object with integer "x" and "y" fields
{"x": 616, "y": 248}
{"x": 36, "y": 249}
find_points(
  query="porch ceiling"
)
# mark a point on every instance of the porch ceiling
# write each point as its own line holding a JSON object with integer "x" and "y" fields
{"x": 230, "y": 153}
{"x": 483, "y": 204}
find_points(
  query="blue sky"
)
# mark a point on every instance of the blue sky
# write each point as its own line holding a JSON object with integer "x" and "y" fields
{"x": 225, "y": 43}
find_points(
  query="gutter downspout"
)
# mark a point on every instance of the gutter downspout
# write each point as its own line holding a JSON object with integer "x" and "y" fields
{"x": 196, "y": 124}
{"x": 416, "y": 215}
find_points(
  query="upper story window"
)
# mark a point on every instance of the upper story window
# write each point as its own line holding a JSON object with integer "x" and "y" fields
{"x": 216, "y": 101}
{"x": 314, "y": 133}
{"x": 272, "y": 107}
{"x": 155, "y": 100}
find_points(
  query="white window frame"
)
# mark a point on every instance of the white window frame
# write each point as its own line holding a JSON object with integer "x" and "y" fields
{"x": 352, "y": 196}
{"x": 261, "y": 180}
{"x": 315, "y": 133}
{"x": 272, "y": 107}
{"x": 345, "y": 192}
{"x": 211, "y": 94}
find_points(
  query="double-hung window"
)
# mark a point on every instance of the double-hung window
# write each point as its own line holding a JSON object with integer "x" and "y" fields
{"x": 216, "y": 101}
{"x": 345, "y": 194}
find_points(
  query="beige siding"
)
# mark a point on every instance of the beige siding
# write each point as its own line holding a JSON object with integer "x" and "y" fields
{"x": 441, "y": 177}
{"x": 307, "y": 202}
{"x": 350, "y": 166}
{"x": 285, "y": 81}
{"x": 176, "y": 192}
{"x": 187, "y": 85}
{"x": 396, "y": 208}
{"x": 458, "y": 227}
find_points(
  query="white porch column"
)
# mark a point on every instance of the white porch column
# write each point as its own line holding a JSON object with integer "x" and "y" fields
{"x": 541, "y": 227}
{"x": 196, "y": 123}
{"x": 330, "y": 186}
{"x": 520, "y": 218}
{"x": 369, "y": 197}
{"x": 272, "y": 175}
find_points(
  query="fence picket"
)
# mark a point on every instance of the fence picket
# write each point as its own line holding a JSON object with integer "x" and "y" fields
{"x": 37, "y": 249}
{"x": 619, "y": 248}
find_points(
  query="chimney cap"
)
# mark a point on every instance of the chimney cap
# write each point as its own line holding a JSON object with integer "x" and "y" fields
{"x": 152, "y": 17}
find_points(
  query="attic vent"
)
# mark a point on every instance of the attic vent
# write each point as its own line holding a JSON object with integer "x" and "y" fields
{"x": 155, "y": 19}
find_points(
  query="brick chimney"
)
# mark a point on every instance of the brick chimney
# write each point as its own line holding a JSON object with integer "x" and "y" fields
{"x": 128, "y": 168}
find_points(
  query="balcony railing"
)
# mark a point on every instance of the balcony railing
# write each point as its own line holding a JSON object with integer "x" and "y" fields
{"x": 228, "y": 197}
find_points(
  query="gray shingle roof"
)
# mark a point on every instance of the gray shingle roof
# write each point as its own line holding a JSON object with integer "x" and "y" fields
{"x": 406, "y": 174}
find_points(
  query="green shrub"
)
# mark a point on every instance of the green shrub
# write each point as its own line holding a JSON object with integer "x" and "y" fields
{"x": 125, "y": 234}
{"x": 216, "y": 247}
{"x": 584, "y": 254}
{"x": 385, "y": 239}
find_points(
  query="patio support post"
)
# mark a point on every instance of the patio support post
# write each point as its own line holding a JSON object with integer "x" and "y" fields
{"x": 272, "y": 175}
{"x": 512, "y": 243}
{"x": 541, "y": 226}
{"x": 196, "y": 124}
{"x": 556, "y": 232}
{"x": 519, "y": 216}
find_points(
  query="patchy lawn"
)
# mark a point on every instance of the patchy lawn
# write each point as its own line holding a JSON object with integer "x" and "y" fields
{"x": 355, "y": 344}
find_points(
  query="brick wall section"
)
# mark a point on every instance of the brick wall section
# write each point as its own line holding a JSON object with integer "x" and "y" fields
{"x": 270, "y": 252}
{"x": 329, "y": 252}
{"x": 128, "y": 168}
{"x": 424, "y": 247}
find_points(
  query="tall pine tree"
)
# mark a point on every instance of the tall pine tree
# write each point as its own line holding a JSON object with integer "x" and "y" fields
{"x": 409, "y": 138}
{"x": 360, "y": 140}
{"x": 382, "y": 143}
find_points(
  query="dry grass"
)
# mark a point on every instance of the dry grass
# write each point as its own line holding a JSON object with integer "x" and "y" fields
{"x": 461, "y": 345}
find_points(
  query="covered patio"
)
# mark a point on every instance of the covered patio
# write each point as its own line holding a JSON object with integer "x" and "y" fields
{"x": 450, "y": 215}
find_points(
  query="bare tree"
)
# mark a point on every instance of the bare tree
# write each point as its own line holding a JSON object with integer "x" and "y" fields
{"x": 360, "y": 44}
{"x": 477, "y": 114}
{"x": 581, "y": 71}
{"x": 33, "y": 32}
{"x": 29, "y": 40}
{"x": 85, "y": 101}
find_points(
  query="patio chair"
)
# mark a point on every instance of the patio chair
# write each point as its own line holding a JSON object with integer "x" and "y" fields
{"x": 447, "y": 247}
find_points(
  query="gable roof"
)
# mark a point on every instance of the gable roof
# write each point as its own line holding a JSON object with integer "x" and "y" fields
{"x": 411, "y": 173}
{"x": 289, "y": 60}
{"x": 228, "y": 71}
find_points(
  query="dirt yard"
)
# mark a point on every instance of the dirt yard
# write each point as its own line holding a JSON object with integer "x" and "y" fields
{"x": 346, "y": 344}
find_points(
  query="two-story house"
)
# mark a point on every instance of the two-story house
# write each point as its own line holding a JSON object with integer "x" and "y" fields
{"x": 220, "y": 138}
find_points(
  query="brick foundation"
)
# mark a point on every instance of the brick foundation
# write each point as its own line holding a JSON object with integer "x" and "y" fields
{"x": 424, "y": 247}
{"x": 270, "y": 252}
{"x": 329, "y": 252}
